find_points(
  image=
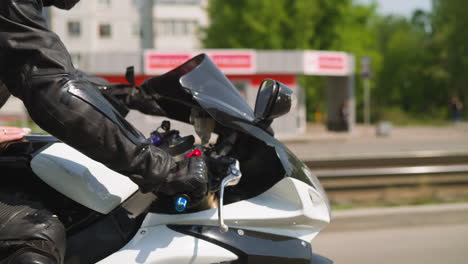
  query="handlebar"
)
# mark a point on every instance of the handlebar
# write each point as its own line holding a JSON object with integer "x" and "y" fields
{"x": 230, "y": 177}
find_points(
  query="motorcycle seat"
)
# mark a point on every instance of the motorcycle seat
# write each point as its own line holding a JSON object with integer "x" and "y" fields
{"x": 8, "y": 134}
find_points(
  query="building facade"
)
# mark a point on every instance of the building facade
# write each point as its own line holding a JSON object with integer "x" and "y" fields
{"x": 105, "y": 36}
{"x": 113, "y": 26}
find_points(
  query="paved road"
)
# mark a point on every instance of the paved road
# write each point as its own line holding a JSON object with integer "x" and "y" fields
{"x": 416, "y": 245}
{"x": 320, "y": 144}
{"x": 414, "y": 235}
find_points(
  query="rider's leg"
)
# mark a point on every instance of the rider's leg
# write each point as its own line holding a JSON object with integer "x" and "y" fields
{"x": 29, "y": 234}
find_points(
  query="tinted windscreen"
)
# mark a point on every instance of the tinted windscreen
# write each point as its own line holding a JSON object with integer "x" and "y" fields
{"x": 216, "y": 94}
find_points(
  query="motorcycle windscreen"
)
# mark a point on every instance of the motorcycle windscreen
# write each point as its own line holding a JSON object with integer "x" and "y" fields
{"x": 215, "y": 93}
{"x": 199, "y": 82}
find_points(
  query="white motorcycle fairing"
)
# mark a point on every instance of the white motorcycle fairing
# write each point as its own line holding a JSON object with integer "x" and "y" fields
{"x": 275, "y": 211}
{"x": 82, "y": 179}
{"x": 290, "y": 210}
{"x": 160, "y": 244}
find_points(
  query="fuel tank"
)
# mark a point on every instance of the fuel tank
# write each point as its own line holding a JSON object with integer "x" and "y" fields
{"x": 82, "y": 179}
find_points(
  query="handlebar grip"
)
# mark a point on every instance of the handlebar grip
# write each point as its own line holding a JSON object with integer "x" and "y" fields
{"x": 181, "y": 203}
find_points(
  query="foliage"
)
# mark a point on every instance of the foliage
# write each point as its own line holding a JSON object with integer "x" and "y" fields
{"x": 291, "y": 25}
{"x": 279, "y": 24}
{"x": 425, "y": 58}
{"x": 402, "y": 118}
{"x": 418, "y": 63}
{"x": 449, "y": 24}
{"x": 406, "y": 77}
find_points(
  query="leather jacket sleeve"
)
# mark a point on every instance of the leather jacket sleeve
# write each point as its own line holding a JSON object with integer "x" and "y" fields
{"x": 62, "y": 4}
{"x": 4, "y": 94}
{"x": 36, "y": 67}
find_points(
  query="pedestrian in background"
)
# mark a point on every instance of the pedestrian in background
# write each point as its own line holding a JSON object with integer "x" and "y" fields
{"x": 456, "y": 107}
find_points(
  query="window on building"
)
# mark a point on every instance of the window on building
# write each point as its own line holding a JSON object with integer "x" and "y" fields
{"x": 105, "y": 31}
{"x": 106, "y": 3}
{"x": 175, "y": 27}
{"x": 76, "y": 59}
{"x": 172, "y": 2}
{"x": 74, "y": 28}
{"x": 164, "y": 28}
{"x": 136, "y": 30}
{"x": 178, "y": 27}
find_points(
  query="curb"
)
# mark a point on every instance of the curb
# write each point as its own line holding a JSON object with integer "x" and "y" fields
{"x": 407, "y": 216}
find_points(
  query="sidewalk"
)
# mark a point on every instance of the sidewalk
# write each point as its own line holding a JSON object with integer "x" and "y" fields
{"x": 318, "y": 143}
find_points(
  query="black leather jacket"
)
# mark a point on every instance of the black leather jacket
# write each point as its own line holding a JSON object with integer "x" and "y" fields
{"x": 63, "y": 4}
{"x": 36, "y": 67}
{"x": 4, "y": 94}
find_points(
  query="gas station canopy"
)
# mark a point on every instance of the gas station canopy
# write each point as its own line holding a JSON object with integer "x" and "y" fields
{"x": 250, "y": 62}
{"x": 246, "y": 68}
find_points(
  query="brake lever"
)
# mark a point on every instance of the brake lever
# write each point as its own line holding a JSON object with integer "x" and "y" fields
{"x": 233, "y": 178}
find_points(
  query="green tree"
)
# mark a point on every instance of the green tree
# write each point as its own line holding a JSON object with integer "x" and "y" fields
{"x": 266, "y": 24}
{"x": 411, "y": 79}
{"x": 286, "y": 24}
{"x": 357, "y": 34}
{"x": 417, "y": 63}
{"x": 449, "y": 26}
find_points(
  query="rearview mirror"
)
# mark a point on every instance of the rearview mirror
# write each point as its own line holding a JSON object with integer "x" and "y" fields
{"x": 273, "y": 100}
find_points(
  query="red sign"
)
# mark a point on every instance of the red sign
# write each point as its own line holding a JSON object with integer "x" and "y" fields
{"x": 234, "y": 61}
{"x": 229, "y": 61}
{"x": 332, "y": 62}
{"x": 326, "y": 63}
{"x": 159, "y": 62}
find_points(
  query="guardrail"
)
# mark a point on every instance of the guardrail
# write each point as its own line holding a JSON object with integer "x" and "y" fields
{"x": 413, "y": 160}
{"x": 401, "y": 179}
{"x": 375, "y": 172}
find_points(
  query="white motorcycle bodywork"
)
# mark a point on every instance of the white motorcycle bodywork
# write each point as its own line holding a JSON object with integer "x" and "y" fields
{"x": 290, "y": 208}
{"x": 82, "y": 179}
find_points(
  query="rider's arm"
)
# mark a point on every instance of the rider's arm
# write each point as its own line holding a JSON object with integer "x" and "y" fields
{"x": 40, "y": 72}
{"x": 63, "y": 4}
{"x": 124, "y": 97}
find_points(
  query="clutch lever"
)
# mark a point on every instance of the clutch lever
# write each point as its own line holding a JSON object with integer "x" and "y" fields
{"x": 233, "y": 178}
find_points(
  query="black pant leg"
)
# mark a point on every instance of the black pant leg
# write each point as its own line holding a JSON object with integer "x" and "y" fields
{"x": 29, "y": 233}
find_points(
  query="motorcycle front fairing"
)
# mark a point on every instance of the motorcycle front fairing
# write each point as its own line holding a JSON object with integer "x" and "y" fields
{"x": 275, "y": 225}
{"x": 199, "y": 83}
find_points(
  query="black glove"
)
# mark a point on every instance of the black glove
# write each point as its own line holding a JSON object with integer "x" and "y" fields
{"x": 139, "y": 100}
{"x": 124, "y": 98}
{"x": 190, "y": 178}
{"x": 62, "y": 4}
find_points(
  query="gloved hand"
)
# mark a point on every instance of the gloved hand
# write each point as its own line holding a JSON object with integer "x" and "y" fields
{"x": 190, "y": 177}
{"x": 139, "y": 100}
{"x": 62, "y": 4}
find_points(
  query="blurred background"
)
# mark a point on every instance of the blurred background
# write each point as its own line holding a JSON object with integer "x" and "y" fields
{"x": 380, "y": 109}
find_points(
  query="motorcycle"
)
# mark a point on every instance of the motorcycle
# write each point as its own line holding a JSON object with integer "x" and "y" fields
{"x": 264, "y": 204}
